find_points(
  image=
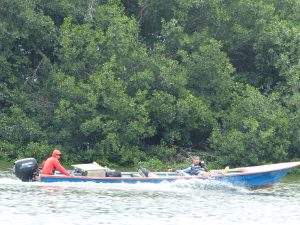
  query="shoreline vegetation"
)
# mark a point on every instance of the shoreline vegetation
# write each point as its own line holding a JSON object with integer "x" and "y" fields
{"x": 126, "y": 81}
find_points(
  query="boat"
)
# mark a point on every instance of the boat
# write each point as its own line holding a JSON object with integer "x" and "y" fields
{"x": 253, "y": 177}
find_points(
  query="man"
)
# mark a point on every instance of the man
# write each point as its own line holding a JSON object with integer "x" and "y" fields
{"x": 197, "y": 168}
{"x": 52, "y": 163}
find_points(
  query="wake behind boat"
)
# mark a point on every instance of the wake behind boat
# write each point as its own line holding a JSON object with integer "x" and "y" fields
{"x": 254, "y": 177}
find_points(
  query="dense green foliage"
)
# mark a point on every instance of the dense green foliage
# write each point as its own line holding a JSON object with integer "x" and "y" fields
{"x": 123, "y": 81}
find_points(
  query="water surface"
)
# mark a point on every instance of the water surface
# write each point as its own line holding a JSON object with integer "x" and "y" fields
{"x": 182, "y": 202}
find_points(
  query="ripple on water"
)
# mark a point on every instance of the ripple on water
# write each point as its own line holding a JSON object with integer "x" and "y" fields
{"x": 182, "y": 202}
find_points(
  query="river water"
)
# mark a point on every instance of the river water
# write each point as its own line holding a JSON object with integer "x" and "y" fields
{"x": 183, "y": 202}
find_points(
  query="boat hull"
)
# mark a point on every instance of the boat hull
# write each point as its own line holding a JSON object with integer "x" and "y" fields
{"x": 249, "y": 177}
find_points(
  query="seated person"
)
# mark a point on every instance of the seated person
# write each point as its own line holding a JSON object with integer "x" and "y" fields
{"x": 52, "y": 163}
{"x": 197, "y": 168}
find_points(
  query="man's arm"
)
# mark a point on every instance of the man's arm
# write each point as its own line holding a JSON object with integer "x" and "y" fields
{"x": 187, "y": 170}
{"x": 61, "y": 169}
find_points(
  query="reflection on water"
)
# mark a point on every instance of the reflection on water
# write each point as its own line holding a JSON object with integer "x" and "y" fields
{"x": 182, "y": 202}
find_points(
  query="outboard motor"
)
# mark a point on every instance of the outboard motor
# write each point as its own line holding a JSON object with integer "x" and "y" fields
{"x": 26, "y": 169}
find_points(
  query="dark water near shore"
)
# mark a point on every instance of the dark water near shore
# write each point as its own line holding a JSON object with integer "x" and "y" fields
{"x": 183, "y": 202}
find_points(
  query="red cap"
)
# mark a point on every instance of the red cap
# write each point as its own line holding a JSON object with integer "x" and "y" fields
{"x": 55, "y": 153}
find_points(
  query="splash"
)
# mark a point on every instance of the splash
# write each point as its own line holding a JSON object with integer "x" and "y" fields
{"x": 9, "y": 181}
{"x": 7, "y": 177}
{"x": 207, "y": 184}
{"x": 177, "y": 186}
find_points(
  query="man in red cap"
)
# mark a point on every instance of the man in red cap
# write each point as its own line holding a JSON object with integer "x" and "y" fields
{"x": 52, "y": 163}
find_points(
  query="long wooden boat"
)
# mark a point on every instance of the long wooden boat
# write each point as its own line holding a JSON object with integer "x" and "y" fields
{"x": 254, "y": 177}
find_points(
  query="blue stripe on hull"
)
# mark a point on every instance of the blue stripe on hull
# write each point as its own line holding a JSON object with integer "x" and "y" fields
{"x": 256, "y": 180}
{"x": 251, "y": 181}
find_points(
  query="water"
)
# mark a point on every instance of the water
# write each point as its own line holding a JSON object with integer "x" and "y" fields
{"x": 183, "y": 202}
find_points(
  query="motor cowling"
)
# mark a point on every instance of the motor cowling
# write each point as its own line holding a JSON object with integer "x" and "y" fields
{"x": 26, "y": 169}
